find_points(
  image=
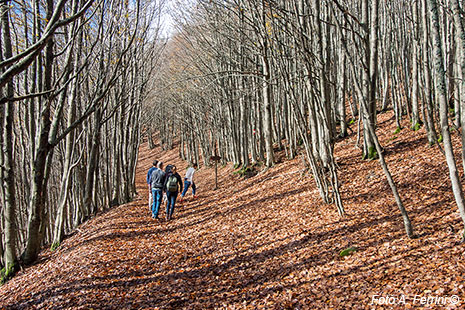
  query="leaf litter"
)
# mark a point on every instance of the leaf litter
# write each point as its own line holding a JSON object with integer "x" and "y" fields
{"x": 266, "y": 242}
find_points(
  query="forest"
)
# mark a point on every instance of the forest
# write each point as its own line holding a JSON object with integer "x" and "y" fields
{"x": 245, "y": 77}
{"x": 337, "y": 125}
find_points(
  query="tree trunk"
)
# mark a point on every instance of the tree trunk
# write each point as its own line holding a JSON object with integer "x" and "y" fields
{"x": 39, "y": 180}
{"x": 460, "y": 35}
{"x": 266, "y": 93}
{"x": 8, "y": 168}
{"x": 341, "y": 90}
{"x": 428, "y": 102}
{"x": 370, "y": 43}
{"x": 415, "y": 125}
{"x": 58, "y": 232}
{"x": 92, "y": 163}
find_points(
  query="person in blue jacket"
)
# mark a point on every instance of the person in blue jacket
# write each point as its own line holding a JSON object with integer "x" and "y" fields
{"x": 157, "y": 179}
{"x": 149, "y": 174}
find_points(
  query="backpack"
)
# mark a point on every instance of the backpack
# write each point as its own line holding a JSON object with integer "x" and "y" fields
{"x": 172, "y": 184}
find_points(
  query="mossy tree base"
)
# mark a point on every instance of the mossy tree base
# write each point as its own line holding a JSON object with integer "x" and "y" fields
{"x": 372, "y": 154}
{"x": 55, "y": 245}
{"x": 247, "y": 171}
{"x": 8, "y": 272}
{"x": 416, "y": 127}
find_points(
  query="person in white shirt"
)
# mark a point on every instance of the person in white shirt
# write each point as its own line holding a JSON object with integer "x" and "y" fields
{"x": 189, "y": 180}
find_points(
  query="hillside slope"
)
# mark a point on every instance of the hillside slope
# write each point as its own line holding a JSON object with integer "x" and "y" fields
{"x": 266, "y": 242}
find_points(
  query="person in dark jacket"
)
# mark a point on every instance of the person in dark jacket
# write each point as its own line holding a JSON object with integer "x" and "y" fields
{"x": 157, "y": 182}
{"x": 173, "y": 185}
{"x": 167, "y": 171}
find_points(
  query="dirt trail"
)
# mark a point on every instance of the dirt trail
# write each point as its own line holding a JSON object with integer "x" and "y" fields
{"x": 264, "y": 242}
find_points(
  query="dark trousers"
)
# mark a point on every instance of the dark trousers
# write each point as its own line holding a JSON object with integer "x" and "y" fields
{"x": 170, "y": 203}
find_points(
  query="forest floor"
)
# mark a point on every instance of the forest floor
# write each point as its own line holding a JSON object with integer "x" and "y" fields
{"x": 267, "y": 242}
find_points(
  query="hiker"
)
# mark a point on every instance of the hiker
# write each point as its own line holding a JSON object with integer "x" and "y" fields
{"x": 173, "y": 185}
{"x": 157, "y": 181}
{"x": 149, "y": 174}
{"x": 167, "y": 171}
{"x": 189, "y": 180}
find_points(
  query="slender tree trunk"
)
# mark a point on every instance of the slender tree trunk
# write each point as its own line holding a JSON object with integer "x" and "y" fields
{"x": 116, "y": 178}
{"x": 323, "y": 117}
{"x": 415, "y": 125}
{"x": 2, "y": 163}
{"x": 92, "y": 163}
{"x": 150, "y": 139}
{"x": 67, "y": 168}
{"x": 8, "y": 168}
{"x": 460, "y": 35}
{"x": 39, "y": 177}
{"x": 430, "y": 127}
{"x": 266, "y": 92}
{"x": 369, "y": 116}
{"x": 373, "y": 60}
{"x": 244, "y": 125}
{"x": 341, "y": 90}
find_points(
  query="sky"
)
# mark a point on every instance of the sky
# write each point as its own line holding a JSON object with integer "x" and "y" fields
{"x": 167, "y": 19}
{"x": 167, "y": 24}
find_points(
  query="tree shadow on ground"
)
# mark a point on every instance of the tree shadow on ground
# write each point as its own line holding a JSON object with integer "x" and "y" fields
{"x": 245, "y": 270}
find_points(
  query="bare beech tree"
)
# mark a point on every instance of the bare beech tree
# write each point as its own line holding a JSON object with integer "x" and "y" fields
{"x": 8, "y": 165}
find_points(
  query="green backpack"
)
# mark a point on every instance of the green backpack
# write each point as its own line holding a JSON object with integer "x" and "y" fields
{"x": 172, "y": 184}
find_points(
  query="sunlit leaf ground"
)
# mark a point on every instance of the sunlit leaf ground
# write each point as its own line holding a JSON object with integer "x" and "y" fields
{"x": 267, "y": 242}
